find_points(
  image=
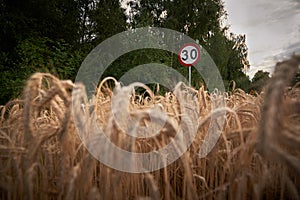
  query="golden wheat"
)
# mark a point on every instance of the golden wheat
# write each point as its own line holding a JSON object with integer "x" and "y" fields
{"x": 257, "y": 156}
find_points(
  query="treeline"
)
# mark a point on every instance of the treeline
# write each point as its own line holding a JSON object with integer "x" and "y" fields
{"x": 55, "y": 36}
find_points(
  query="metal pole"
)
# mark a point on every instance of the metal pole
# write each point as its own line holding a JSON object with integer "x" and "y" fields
{"x": 190, "y": 75}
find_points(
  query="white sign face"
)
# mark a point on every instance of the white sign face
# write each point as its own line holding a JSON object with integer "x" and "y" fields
{"x": 189, "y": 54}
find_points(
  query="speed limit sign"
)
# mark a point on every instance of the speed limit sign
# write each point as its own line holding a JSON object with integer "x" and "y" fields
{"x": 189, "y": 54}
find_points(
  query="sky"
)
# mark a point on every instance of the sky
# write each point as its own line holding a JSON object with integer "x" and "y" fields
{"x": 272, "y": 29}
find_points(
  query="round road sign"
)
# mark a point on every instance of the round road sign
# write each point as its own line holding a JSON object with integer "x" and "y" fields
{"x": 189, "y": 54}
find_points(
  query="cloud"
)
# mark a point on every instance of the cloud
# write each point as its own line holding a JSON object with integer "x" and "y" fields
{"x": 272, "y": 29}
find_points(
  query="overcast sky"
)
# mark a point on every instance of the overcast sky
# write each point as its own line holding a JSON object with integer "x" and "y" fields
{"x": 272, "y": 29}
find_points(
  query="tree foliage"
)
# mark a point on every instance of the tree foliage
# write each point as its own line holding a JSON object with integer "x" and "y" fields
{"x": 55, "y": 36}
{"x": 259, "y": 80}
{"x": 43, "y": 55}
{"x": 201, "y": 20}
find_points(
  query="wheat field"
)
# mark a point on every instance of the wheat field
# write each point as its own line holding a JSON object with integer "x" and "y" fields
{"x": 256, "y": 157}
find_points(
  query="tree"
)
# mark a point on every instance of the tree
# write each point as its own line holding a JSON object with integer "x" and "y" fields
{"x": 52, "y": 36}
{"x": 297, "y": 78}
{"x": 259, "y": 80}
{"x": 35, "y": 33}
{"x": 57, "y": 19}
{"x": 58, "y": 33}
{"x": 39, "y": 54}
{"x": 201, "y": 20}
{"x": 107, "y": 19}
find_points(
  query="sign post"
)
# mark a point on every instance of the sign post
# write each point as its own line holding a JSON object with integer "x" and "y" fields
{"x": 190, "y": 76}
{"x": 188, "y": 55}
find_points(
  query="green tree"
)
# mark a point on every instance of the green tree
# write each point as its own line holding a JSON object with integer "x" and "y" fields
{"x": 201, "y": 20}
{"x": 54, "y": 36}
{"x": 297, "y": 78}
{"x": 38, "y": 36}
{"x": 43, "y": 55}
{"x": 56, "y": 19}
{"x": 259, "y": 80}
{"x": 107, "y": 19}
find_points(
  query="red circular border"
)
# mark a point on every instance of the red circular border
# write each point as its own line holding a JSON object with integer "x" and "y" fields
{"x": 189, "y": 44}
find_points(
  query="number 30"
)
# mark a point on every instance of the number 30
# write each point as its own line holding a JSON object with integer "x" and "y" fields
{"x": 193, "y": 54}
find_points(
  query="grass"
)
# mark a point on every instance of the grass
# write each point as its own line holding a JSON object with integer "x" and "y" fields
{"x": 256, "y": 157}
